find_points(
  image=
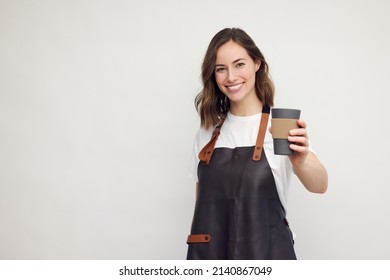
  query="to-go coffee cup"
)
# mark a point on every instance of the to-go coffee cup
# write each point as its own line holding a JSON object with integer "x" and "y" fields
{"x": 283, "y": 120}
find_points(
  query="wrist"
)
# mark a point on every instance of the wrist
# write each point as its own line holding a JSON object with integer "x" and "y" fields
{"x": 299, "y": 166}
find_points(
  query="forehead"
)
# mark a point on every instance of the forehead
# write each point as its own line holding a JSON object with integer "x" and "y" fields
{"x": 230, "y": 52}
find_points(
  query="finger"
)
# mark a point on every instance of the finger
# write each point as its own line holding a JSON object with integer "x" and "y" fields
{"x": 302, "y": 141}
{"x": 270, "y": 129}
{"x": 301, "y": 123}
{"x": 298, "y": 131}
{"x": 299, "y": 149}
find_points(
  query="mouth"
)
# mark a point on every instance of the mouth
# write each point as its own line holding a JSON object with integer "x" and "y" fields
{"x": 234, "y": 88}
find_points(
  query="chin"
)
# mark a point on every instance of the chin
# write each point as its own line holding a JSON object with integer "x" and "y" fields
{"x": 234, "y": 97}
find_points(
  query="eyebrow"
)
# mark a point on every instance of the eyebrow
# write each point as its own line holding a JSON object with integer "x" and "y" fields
{"x": 237, "y": 60}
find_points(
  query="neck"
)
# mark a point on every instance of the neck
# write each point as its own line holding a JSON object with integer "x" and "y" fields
{"x": 246, "y": 108}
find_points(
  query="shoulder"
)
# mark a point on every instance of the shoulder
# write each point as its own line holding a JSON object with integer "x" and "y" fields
{"x": 203, "y": 134}
{"x": 202, "y": 137}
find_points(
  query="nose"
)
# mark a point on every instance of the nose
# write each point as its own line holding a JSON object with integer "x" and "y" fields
{"x": 231, "y": 76}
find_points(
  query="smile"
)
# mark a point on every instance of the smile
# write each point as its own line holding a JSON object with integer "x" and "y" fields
{"x": 234, "y": 88}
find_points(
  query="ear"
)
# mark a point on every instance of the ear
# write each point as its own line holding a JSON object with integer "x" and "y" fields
{"x": 257, "y": 65}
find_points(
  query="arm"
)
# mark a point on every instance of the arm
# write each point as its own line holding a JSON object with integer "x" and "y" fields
{"x": 306, "y": 165}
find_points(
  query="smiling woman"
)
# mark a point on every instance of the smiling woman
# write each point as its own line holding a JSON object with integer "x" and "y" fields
{"x": 230, "y": 66}
{"x": 242, "y": 185}
{"x": 236, "y": 79}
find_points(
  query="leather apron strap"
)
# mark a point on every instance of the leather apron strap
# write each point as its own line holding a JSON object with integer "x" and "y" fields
{"x": 198, "y": 238}
{"x": 207, "y": 151}
{"x": 261, "y": 135}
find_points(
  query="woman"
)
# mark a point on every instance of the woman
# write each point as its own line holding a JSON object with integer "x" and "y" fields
{"x": 241, "y": 185}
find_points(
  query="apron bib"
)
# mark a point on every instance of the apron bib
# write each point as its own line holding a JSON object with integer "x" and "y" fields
{"x": 238, "y": 214}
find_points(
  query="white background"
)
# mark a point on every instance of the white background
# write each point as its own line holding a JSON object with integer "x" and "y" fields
{"x": 97, "y": 121}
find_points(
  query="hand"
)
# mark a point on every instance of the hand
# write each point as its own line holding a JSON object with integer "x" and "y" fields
{"x": 300, "y": 144}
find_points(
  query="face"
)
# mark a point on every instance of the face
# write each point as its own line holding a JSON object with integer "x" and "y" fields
{"x": 235, "y": 73}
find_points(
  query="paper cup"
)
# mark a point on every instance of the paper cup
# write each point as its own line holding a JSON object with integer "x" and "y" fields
{"x": 283, "y": 120}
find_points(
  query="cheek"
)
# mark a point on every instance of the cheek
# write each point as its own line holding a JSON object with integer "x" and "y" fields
{"x": 250, "y": 75}
{"x": 219, "y": 78}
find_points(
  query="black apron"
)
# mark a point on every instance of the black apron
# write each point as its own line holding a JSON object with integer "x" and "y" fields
{"x": 238, "y": 213}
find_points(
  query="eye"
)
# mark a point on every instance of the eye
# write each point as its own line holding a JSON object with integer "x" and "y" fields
{"x": 240, "y": 64}
{"x": 220, "y": 69}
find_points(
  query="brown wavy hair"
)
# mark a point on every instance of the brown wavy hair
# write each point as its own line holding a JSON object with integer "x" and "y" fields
{"x": 211, "y": 104}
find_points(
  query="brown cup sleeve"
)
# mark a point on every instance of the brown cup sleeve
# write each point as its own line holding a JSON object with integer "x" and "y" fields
{"x": 281, "y": 127}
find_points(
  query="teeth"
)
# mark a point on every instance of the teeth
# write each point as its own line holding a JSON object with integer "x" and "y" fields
{"x": 234, "y": 87}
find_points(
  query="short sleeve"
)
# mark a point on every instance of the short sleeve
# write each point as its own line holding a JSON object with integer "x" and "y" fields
{"x": 202, "y": 137}
{"x": 194, "y": 161}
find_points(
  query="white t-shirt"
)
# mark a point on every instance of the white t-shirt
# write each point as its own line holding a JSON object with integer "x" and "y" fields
{"x": 242, "y": 132}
